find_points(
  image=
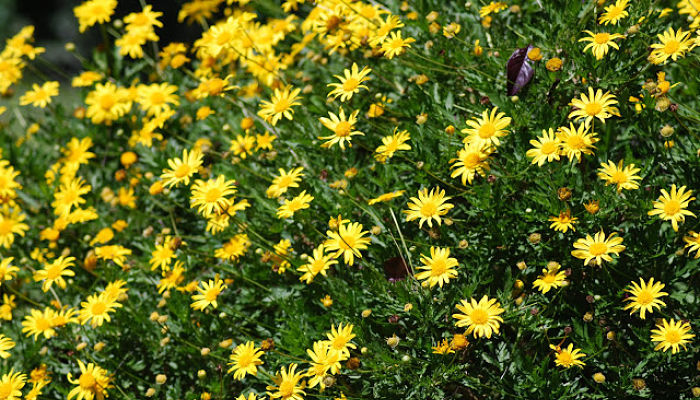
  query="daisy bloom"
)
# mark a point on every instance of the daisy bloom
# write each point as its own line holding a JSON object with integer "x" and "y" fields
{"x": 92, "y": 383}
{"x": 692, "y": 243}
{"x": 545, "y": 149}
{"x": 671, "y": 335}
{"x": 487, "y": 129}
{"x": 576, "y": 141}
{"x": 92, "y": 12}
{"x": 284, "y": 181}
{"x": 300, "y": 202}
{"x": 54, "y": 272}
{"x": 350, "y": 83}
{"x": 7, "y": 271}
{"x": 156, "y": 98}
{"x": 210, "y": 196}
{"x": 288, "y": 387}
{"x": 386, "y": 197}
{"x": 551, "y": 278}
{"x": 438, "y": 268}
{"x": 596, "y": 105}
{"x": 207, "y": 294}
{"x": 316, "y": 264}
{"x": 428, "y": 206}
{"x": 482, "y": 318}
{"x": 6, "y": 343}
{"x": 391, "y": 144}
{"x": 342, "y": 127}
{"x": 96, "y": 309}
{"x": 598, "y": 247}
{"x": 182, "y": 169}
{"x": 11, "y": 224}
{"x": 11, "y": 385}
{"x": 324, "y": 359}
{"x": 280, "y": 105}
{"x": 347, "y": 241}
{"x": 563, "y": 222}
{"x": 674, "y": 44}
{"x": 614, "y": 13}
{"x": 568, "y": 357}
{"x": 39, "y": 323}
{"x": 600, "y": 43}
{"x": 394, "y": 45}
{"x": 40, "y": 96}
{"x": 624, "y": 178}
{"x": 644, "y": 297}
{"x": 673, "y": 207}
{"x": 471, "y": 160}
{"x": 245, "y": 359}
{"x": 339, "y": 339}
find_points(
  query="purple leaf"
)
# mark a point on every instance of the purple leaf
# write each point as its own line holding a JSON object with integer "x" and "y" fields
{"x": 519, "y": 70}
{"x": 395, "y": 269}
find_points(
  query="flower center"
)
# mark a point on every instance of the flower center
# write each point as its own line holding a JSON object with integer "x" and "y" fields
{"x": 286, "y": 389}
{"x": 6, "y": 227}
{"x": 672, "y": 207}
{"x": 597, "y": 249}
{"x": 645, "y": 297}
{"x": 107, "y": 101}
{"x": 549, "y": 148}
{"x": 438, "y": 268}
{"x": 6, "y": 389}
{"x": 211, "y": 294}
{"x": 157, "y": 98}
{"x": 601, "y": 38}
{"x": 673, "y": 337}
{"x": 281, "y": 105}
{"x": 99, "y": 308}
{"x": 619, "y": 177}
{"x": 86, "y": 381}
{"x": 343, "y": 129}
{"x": 486, "y": 130}
{"x": 347, "y": 243}
{"x": 575, "y": 142}
{"x": 479, "y": 316}
{"x": 350, "y": 84}
{"x": 672, "y": 47}
{"x": 429, "y": 209}
{"x": 212, "y": 195}
{"x": 593, "y": 109}
{"x": 472, "y": 160}
{"x": 54, "y": 272}
{"x": 549, "y": 278}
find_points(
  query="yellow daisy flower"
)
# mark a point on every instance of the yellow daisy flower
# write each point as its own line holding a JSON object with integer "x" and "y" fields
{"x": 614, "y": 13}
{"x": 595, "y": 105}
{"x": 671, "y": 335}
{"x": 488, "y": 129}
{"x": 551, "y": 278}
{"x": 482, "y": 318}
{"x": 208, "y": 293}
{"x": 428, "y": 206}
{"x": 92, "y": 383}
{"x": 54, "y": 272}
{"x": 347, "y": 241}
{"x": 287, "y": 384}
{"x": 545, "y": 149}
{"x": 600, "y": 43}
{"x": 644, "y": 297}
{"x": 438, "y": 268}
{"x": 563, "y": 222}
{"x": 624, "y": 178}
{"x": 471, "y": 160}
{"x": 673, "y": 207}
{"x": 576, "y": 141}
{"x": 674, "y": 45}
{"x": 598, "y": 247}
{"x": 280, "y": 105}
{"x": 350, "y": 83}
{"x": 210, "y": 196}
{"x": 568, "y": 357}
{"x": 300, "y": 202}
{"x": 245, "y": 359}
{"x": 342, "y": 127}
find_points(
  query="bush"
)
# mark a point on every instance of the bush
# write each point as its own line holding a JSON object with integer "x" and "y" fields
{"x": 342, "y": 199}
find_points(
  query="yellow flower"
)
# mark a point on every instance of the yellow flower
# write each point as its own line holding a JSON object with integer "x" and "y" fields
{"x": 598, "y": 247}
{"x": 576, "y": 141}
{"x": 442, "y": 347}
{"x": 280, "y": 105}
{"x": 242, "y": 146}
{"x": 182, "y": 169}
{"x": 245, "y": 359}
{"x": 339, "y": 339}
{"x": 482, "y": 318}
{"x": 471, "y": 160}
{"x": 671, "y": 335}
{"x": 614, "y": 13}
{"x": 391, "y": 144}
{"x": 316, "y": 264}
{"x": 324, "y": 359}
{"x": 645, "y": 297}
{"x": 39, "y": 323}
{"x": 342, "y": 127}
{"x": 285, "y": 180}
{"x": 234, "y": 248}
{"x": 551, "y": 278}
{"x": 568, "y": 357}
{"x": 595, "y": 105}
{"x": 492, "y": 7}
{"x": 114, "y": 252}
{"x": 350, "y": 83}
{"x": 7, "y": 271}
{"x": 131, "y": 44}
{"x": 673, "y": 207}
{"x": 428, "y": 206}
{"x": 6, "y": 343}
{"x": 692, "y": 243}
{"x": 545, "y": 149}
{"x": 289, "y": 207}
{"x": 156, "y": 98}
{"x": 40, "y": 96}
{"x": 54, "y": 272}
{"x": 11, "y": 385}
{"x": 287, "y": 384}
{"x": 386, "y": 197}
{"x": 86, "y": 78}
{"x": 210, "y": 196}
{"x": 92, "y": 12}
{"x": 563, "y": 222}
{"x": 10, "y": 225}
{"x": 107, "y": 103}
{"x": 394, "y": 45}
{"x": 624, "y": 178}
{"x": 96, "y": 309}
{"x": 8, "y": 184}
{"x": 487, "y": 129}
{"x": 600, "y": 43}
{"x": 92, "y": 383}
{"x": 347, "y": 241}
{"x": 674, "y": 44}
{"x": 208, "y": 293}
{"x": 438, "y": 269}
{"x": 264, "y": 141}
